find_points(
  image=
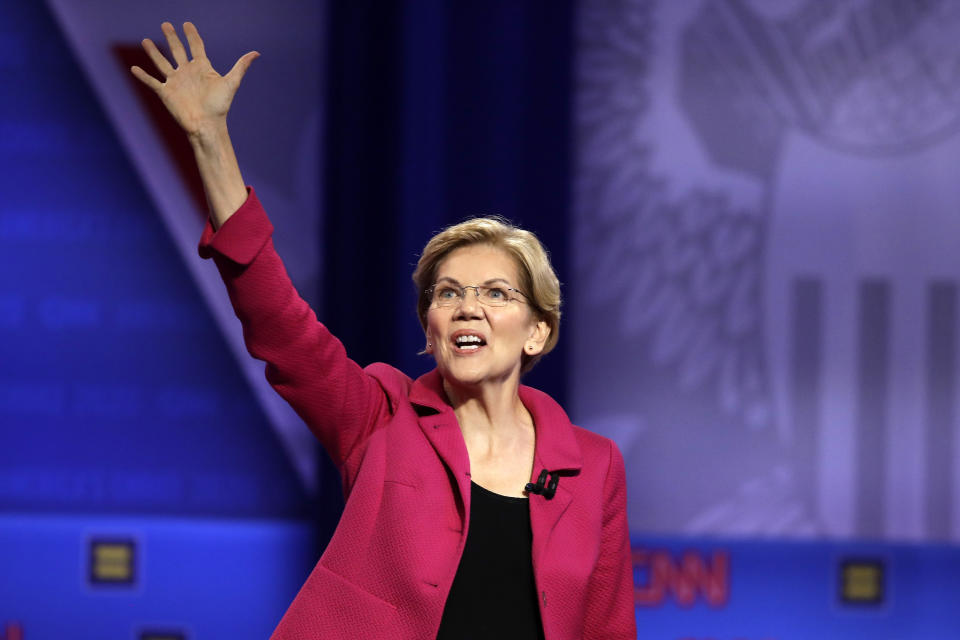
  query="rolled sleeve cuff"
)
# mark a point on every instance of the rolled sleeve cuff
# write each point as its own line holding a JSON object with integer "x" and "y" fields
{"x": 241, "y": 237}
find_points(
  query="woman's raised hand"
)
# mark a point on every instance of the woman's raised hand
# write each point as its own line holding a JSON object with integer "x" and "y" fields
{"x": 194, "y": 93}
{"x": 198, "y": 98}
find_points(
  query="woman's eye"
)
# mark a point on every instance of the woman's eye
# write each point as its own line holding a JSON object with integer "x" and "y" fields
{"x": 496, "y": 294}
{"x": 446, "y": 293}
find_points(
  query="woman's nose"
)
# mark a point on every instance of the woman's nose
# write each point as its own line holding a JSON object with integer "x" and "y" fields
{"x": 470, "y": 302}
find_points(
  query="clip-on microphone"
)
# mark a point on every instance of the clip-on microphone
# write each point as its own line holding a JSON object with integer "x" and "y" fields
{"x": 543, "y": 487}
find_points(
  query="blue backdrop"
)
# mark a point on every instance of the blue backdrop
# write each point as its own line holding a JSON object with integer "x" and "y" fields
{"x": 123, "y": 414}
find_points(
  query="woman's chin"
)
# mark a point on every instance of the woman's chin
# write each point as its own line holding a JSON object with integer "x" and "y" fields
{"x": 461, "y": 376}
{"x": 466, "y": 375}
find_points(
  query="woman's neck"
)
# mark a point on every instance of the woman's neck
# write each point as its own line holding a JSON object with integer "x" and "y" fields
{"x": 493, "y": 409}
{"x": 499, "y": 435}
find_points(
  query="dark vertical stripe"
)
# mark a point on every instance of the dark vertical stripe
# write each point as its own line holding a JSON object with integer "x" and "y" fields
{"x": 508, "y": 129}
{"x": 361, "y": 182}
{"x": 362, "y": 177}
{"x": 872, "y": 393}
{"x": 806, "y": 352}
{"x": 422, "y": 201}
{"x": 941, "y": 406}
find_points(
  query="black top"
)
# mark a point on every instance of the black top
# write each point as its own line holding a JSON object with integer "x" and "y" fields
{"x": 494, "y": 594}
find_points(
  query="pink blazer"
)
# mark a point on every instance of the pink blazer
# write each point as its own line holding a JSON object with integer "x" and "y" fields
{"x": 406, "y": 476}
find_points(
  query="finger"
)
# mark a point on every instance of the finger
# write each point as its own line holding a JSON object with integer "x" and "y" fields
{"x": 146, "y": 78}
{"x": 193, "y": 39}
{"x": 173, "y": 41}
{"x": 159, "y": 61}
{"x": 240, "y": 67}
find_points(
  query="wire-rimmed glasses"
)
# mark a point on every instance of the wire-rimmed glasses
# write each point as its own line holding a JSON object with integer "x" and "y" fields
{"x": 446, "y": 294}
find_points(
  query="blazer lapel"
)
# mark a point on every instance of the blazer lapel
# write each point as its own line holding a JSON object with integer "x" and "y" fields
{"x": 556, "y": 450}
{"x": 544, "y": 516}
{"x": 439, "y": 425}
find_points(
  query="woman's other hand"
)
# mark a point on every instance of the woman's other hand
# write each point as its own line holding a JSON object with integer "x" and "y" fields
{"x": 194, "y": 93}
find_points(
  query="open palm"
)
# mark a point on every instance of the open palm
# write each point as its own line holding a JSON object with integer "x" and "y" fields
{"x": 194, "y": 93}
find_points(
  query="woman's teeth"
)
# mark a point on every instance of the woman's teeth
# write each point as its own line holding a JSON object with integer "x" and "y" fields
{"x": 470, "y": 343}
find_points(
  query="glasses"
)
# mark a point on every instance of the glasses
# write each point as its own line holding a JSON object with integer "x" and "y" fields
{"x": 450, "y": 295}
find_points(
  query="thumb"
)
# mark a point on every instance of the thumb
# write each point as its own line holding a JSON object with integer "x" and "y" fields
{"x": 235, "y": 75}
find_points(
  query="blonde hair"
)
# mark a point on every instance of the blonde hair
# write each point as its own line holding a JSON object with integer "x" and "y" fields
{"x": 537, "y": 280}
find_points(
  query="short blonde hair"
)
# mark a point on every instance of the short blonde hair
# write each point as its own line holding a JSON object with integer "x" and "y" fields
{"x": 538, "y": 281}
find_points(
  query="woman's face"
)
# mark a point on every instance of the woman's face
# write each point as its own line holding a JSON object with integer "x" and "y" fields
{"x": 505, "y": 333}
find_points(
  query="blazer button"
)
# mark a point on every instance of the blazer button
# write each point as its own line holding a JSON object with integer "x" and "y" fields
{"x": 544, "y": 598}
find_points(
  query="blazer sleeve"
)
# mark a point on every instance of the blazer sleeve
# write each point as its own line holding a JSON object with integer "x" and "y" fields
{"x": 610, "y": 600}
{"x": 305, "y": 363}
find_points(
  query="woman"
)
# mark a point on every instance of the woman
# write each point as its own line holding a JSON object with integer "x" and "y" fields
{"x": 474, "y": 508}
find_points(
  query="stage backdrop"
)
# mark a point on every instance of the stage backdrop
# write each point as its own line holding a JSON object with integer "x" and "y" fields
{"x": 145, "y": 490}
{"x": 766, "y": 221}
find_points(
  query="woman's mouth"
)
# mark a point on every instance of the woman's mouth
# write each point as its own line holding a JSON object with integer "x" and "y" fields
{"x": 468, "y": 342}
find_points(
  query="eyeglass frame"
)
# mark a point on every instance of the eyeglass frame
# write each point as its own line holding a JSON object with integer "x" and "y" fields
{"x": 476, "y": 291}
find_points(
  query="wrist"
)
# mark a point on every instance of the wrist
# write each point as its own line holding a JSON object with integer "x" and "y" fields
{"x": 209, "y": 136}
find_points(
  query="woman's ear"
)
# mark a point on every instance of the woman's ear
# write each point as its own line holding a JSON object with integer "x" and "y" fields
{"x": 538, "y": 338}
{"x": 429, "y": 347}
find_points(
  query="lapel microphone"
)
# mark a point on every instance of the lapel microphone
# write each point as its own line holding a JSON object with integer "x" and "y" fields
{"x": 544, "y": 487}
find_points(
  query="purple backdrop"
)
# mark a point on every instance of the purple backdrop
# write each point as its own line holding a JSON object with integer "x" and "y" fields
{"x": 765, "y": 227}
